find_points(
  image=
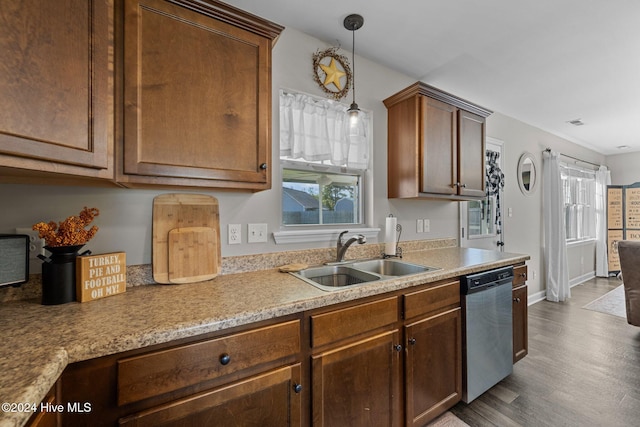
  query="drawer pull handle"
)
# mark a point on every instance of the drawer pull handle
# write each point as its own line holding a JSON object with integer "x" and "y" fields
{"x": 397, "y": 347}
{"x": 412, "y": 341}
{"x": 225, "y": 359}
{"x": 297, "y": 388}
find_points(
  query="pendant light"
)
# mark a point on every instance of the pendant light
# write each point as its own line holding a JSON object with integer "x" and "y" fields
{"x": 352, "y": 23}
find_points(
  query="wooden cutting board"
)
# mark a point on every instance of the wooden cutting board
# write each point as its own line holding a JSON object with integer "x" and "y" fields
{"x": 192, "y": 254}
{"x": 186, "y": 238}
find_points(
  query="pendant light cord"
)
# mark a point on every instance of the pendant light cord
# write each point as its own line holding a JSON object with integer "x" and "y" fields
{"x": 353, "y": 62}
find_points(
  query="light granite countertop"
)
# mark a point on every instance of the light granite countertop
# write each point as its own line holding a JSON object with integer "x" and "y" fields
{"x": 39, "y": 341}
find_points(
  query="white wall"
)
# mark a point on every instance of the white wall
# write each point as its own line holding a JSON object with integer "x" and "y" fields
{"x": 625, "y": 168}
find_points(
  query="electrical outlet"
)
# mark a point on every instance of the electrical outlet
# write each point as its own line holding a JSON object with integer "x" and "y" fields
{"x": 427, "y": 226}
{"x": 235, "y": 234}
{"x": 419, "y": 226}
{"x": 36, "y": 244}
{"x": 256, "y": 233}
{"x": 36, "y": 247}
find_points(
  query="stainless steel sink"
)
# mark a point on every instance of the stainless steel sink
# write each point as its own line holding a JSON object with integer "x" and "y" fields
{"x": 354, "y": 273}
{"x": 391, "y": 267}
{"x": 330, "y": 277}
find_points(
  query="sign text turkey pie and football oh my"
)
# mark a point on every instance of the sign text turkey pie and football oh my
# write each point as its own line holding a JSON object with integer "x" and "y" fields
{"x": 99, "y": 276}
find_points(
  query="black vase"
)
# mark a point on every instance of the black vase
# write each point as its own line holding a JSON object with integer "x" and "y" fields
{"x": 59, "y": 275}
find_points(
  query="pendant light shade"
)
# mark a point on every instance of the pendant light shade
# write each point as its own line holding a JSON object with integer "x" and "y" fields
{"x": 352, "y": 23}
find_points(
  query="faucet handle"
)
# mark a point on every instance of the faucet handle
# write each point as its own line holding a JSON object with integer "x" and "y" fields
{"x": 340, "y": 236}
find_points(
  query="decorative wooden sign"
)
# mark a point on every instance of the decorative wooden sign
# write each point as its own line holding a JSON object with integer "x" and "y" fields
{"x": 632, "y": 208}
{"x": 99, "y": 276}
{"x": 614, "y": 211}
{"x": 614, "y": 236}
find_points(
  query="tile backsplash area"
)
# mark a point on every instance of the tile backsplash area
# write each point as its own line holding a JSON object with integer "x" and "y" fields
{"x": 138, "y": 275}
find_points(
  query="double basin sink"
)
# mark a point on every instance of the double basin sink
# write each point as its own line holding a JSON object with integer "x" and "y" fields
{"x": 345, "y": 275}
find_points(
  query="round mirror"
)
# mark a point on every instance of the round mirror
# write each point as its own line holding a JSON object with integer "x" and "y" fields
{"x": 527, "y": 174}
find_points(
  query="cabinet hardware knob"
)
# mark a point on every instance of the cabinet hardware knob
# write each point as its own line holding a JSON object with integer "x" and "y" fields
{"x": 397, "y": 347}
{"x": 412, "y": 341}
{"x": 517, "y": 299}
{"x": 457, "y": 184}
{"x": 263, "y": 166}
{"x": 225, "y": 359}
{"x": 500, "y": 243}
{"x": 523, "y": 275}
{"x": 297, "y": 388}
{"x": 463, "y": 185}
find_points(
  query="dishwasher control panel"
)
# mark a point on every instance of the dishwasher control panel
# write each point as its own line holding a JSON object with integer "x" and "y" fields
{"x": 486, "y": 279}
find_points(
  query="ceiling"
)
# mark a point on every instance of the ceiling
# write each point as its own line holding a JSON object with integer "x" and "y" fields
{"x": 543, "y": 62}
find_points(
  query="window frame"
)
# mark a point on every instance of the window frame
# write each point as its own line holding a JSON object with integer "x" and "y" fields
{"x": 564, "y": 167}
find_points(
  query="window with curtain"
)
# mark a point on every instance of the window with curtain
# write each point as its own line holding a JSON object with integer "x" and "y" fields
{"x": 323, "y": 164}
{"x": 579, "y": 190}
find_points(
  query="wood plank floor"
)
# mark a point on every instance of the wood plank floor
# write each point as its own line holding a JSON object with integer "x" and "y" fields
{"x": 583, "y": 369}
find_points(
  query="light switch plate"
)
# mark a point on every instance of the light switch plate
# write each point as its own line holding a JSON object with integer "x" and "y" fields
{"x": 256, "y": 233}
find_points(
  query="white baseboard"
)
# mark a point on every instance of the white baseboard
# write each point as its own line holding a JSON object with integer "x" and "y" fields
{"x": 537, "y": 297}
{"x": 542, "y": 295}
{"x": 581, "y": 279}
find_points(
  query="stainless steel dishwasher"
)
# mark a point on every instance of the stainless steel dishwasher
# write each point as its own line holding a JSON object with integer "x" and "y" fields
{"x": 487, "y": 333}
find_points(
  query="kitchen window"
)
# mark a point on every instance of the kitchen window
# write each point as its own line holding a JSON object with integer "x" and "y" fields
{"x": 579, "y": 190}
{"x": 312, "y": 197}
{"x": 323, "y": 165}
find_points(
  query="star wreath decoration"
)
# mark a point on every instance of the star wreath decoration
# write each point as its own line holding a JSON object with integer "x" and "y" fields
{"x": 328, "y": 75}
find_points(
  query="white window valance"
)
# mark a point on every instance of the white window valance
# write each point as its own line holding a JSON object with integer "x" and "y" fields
{"x": 315, "y": 130}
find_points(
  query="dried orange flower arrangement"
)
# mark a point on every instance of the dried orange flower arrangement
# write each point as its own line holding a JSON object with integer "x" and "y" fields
{"x": 71, "y": 231}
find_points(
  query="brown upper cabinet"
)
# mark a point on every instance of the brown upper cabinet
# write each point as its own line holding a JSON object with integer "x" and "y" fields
{"x": 56, "y": 86}
{"x": 197, "y": 95}
{"x": 140, "y": 92}
{"x": 436, "y": 144}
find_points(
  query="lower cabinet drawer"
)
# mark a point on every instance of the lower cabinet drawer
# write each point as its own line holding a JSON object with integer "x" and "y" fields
{"x": 156, "y": 373}
{"x": 519, "y": 275}
{"x": 351, "y": 321}
{"x": 439, "y": 297}
{"x": 269, "y": 399}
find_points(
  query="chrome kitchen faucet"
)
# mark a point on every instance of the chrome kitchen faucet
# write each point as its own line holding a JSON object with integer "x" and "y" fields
{"x": 342, "y": 248}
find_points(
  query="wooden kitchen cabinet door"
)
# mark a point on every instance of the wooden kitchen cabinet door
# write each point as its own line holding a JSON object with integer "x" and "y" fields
{"x": 197, "y": 95}
{"x": 268, "y": 400}
{"x": 520, "y": 323}
{"x": 358, "y": 385}
{"x": 56, "y": 87}
{"x": 471, "y": 154}
{"x": 439, "y": 148}
{"x": 433, "y": 368}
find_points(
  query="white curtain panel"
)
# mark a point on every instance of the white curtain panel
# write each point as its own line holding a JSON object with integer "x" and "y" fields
{"x": 315, "y": 129}
{"x": 555, "y": 244}
{"x": 603, "y": 178}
